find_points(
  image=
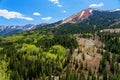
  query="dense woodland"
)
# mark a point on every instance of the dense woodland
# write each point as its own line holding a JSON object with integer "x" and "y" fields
{"x": 43, "y": 54}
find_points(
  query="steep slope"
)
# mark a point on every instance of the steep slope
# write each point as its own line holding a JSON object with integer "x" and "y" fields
{"x": 103, "y": 18}
{"x": 95, "y": 17}
{"x": 84, "y": 14}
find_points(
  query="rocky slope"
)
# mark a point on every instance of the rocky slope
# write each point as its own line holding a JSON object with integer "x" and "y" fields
{"x": 84, "y": 14}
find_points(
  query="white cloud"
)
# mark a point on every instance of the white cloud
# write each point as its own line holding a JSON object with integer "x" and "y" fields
{"x": 46, "y": 18}
{"x": 59, "y": 5}
{"x": 56, "y": 2}
{"x": 96, "y": 5}
{"x": 36, "y": 14}
{"x": 64, "y": 11}
{"x": 12, "y": 14}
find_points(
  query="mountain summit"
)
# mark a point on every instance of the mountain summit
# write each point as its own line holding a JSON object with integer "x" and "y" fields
{"x": 84, "y": 14}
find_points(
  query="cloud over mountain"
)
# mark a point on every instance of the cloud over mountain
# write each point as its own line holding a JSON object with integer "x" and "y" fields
{"x": 96, "y": 5}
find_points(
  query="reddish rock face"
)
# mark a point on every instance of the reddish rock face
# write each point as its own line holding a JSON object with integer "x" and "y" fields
{"x": 84, "y": 14}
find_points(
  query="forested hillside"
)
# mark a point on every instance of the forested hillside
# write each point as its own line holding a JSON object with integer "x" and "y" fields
{"x": 47, "y": 54}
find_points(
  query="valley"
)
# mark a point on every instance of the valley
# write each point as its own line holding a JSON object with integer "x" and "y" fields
{"x": 80, "y": 47}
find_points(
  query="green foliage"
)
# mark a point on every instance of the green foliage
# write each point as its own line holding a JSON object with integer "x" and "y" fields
{"x": 13, "y": 38}
{"x": 111, "y": 41}
{"x": 64, "y": 40}
{"x": 79, "y": 27}
{"x": 48, "y": 55}
{"x": 4, "y": 73}
{"x": 102, "y": 65}
{"x": 1, "y": 48}
{"x": 27, "y": 48}
{"x": 58, "y": 50}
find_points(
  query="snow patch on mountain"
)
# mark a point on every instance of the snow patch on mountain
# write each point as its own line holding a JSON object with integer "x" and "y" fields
{"x": 115, "y": 10}
{"x": 82, "y": 14}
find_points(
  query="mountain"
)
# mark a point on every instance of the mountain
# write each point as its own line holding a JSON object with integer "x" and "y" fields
{"x": 13, "y": 29}
{"x": 89, "y": 20}
{"x": 93, "y": 16}
{"x": 89, "y": 16}
{"x": 84, "y": 14}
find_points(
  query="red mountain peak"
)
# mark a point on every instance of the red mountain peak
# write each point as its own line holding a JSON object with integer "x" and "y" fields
{"x": 84, "y": 14}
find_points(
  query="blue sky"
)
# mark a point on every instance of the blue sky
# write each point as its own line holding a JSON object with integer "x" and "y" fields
{"x": 21, "y": 12}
